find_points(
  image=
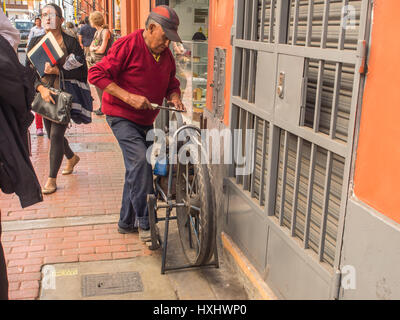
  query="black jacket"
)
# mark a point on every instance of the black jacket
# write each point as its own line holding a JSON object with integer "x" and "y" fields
{"x": 72, "y": 46}
{"x": 16, "y": 94}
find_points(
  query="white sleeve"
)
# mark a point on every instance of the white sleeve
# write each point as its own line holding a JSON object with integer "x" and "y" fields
{"x": 30, "y": 37}
{"x": 8, "y": 31}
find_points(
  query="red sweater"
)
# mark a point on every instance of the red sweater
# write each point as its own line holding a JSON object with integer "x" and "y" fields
{"x": 130, "y": 64}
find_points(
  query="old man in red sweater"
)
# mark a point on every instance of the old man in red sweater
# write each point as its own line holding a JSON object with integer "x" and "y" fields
{"x": 138, "y": 70}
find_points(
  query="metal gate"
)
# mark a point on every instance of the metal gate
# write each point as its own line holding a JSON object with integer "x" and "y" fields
{"x": 296, "y": 81}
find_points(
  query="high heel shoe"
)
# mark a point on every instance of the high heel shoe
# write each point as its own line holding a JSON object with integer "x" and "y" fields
{"x": 49, "y": 190}
{"x": 70, "y": 165}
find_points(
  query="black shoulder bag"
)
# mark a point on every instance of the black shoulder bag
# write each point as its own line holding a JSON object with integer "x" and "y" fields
{"x": 60, "y": 112}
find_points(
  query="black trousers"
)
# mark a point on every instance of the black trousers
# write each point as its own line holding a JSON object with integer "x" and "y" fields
{"x": 58, "y": 145}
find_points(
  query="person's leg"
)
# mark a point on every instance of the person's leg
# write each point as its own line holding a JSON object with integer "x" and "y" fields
{"x": 127, "y": 214}
{"x": 139, "y": 175}
{"x": 39, "y": 124}
{"x": 127, "y": 222}
{"x": 72, "y": 161}
{"x": 56, "y": 148}
{"x": 47, "y": 125}
{"x": 100, "y": 95}
{"x": 55, "y": 133}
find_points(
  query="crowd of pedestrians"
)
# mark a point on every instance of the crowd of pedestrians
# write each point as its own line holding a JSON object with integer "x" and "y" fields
{"x": 123, "y": 73}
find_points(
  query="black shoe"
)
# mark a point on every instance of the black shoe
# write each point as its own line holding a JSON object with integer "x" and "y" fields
{"x": 125, "y": 231}
{"x": 98, "y": 112}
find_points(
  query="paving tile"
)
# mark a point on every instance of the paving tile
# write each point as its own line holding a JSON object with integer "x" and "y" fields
{"x": 93, "y": 190}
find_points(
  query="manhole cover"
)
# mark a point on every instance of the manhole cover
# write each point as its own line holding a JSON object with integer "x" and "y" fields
{"x": 111, "y": 283}
{"x": 93, "y": 147}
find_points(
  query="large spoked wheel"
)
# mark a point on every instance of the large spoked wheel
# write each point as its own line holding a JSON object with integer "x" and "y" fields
{"x": 195, "y": 218}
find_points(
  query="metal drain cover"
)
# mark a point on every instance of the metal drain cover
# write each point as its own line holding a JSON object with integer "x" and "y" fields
{"x": 111, "y": 283}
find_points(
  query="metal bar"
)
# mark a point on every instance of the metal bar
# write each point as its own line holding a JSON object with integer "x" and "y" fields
{"x": 335, "y": 102}
{"x": 318, "y": 97}
{"x": 253, "y": 35}
{"x": 191, "y": 266}
{"x": 246, "y": 178}
{"x": 342, "y": 32}
{"x": 309, "y": 22}
{"x": 251, "y": 107}
{"x": 305, "y": 84}
{"x": 296, "y": 185}
{"x": 271, "y": 21}
{"x": 187, "y": 179}
{"x": 309, "y": 196}
{"x": 165, "y": 243}
{"x": 238, "y": 142}
{"x": 246, "y": 20}
{"x": 284, "y": 171}
{"x": 359, "y": 81}
{"x": 334, "y": 55}
{"x": 262, "y": 20}
{"x": 336, "y": 146}
{"x": 273, "y": 165}
{"x": 189, "y": 232}
{"x": 233, "y": 121}
{"x": 325, "y": 21}
{"x": 252, "y": 76}
{"x": 236, "y": 81}
{"x": 263, "y": 159}
{"x": 194, "y": 230}
{"x": 255, "y": 156}
{"x": 282, "y": 21}
{"x": 245, "y": 74}
{"x": 170, "y": 218}
{"x": 325, "y": 205}
{"x": 295, "y": 21}
{"x": 239, "y": 19}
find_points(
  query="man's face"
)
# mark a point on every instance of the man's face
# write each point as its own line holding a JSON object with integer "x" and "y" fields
{"x": 50, "y": 19}
{"x": 158, "y": 40}
{"x": 38, "y": 23}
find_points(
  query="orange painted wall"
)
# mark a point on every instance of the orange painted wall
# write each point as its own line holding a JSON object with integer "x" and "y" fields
{"x": 219, "y": 34}
{"x": 377, "y": 170}
{"x": 134, "y": 15}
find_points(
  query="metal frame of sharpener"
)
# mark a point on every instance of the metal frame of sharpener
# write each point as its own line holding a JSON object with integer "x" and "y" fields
{"x": 156, "y": 241}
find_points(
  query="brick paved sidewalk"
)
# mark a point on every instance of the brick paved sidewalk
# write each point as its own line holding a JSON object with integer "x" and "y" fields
{"x": 93, "y": 191}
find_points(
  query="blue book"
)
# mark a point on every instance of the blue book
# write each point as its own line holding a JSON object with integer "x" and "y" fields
{"x": 47, "y": 50}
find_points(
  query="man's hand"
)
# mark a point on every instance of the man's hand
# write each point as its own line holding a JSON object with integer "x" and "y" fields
{"x": 138, "y": 102}
{"x": 48, "y": 69}
{"x": 134, "y": 100}
{"x": 176, "y": 101}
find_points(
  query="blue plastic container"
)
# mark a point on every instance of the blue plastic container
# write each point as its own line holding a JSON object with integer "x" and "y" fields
{"x": 161, "y": 167}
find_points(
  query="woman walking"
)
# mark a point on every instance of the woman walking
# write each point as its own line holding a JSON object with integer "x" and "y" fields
{"x": 52, "y": 20}
{"x": 99, "y": 47}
